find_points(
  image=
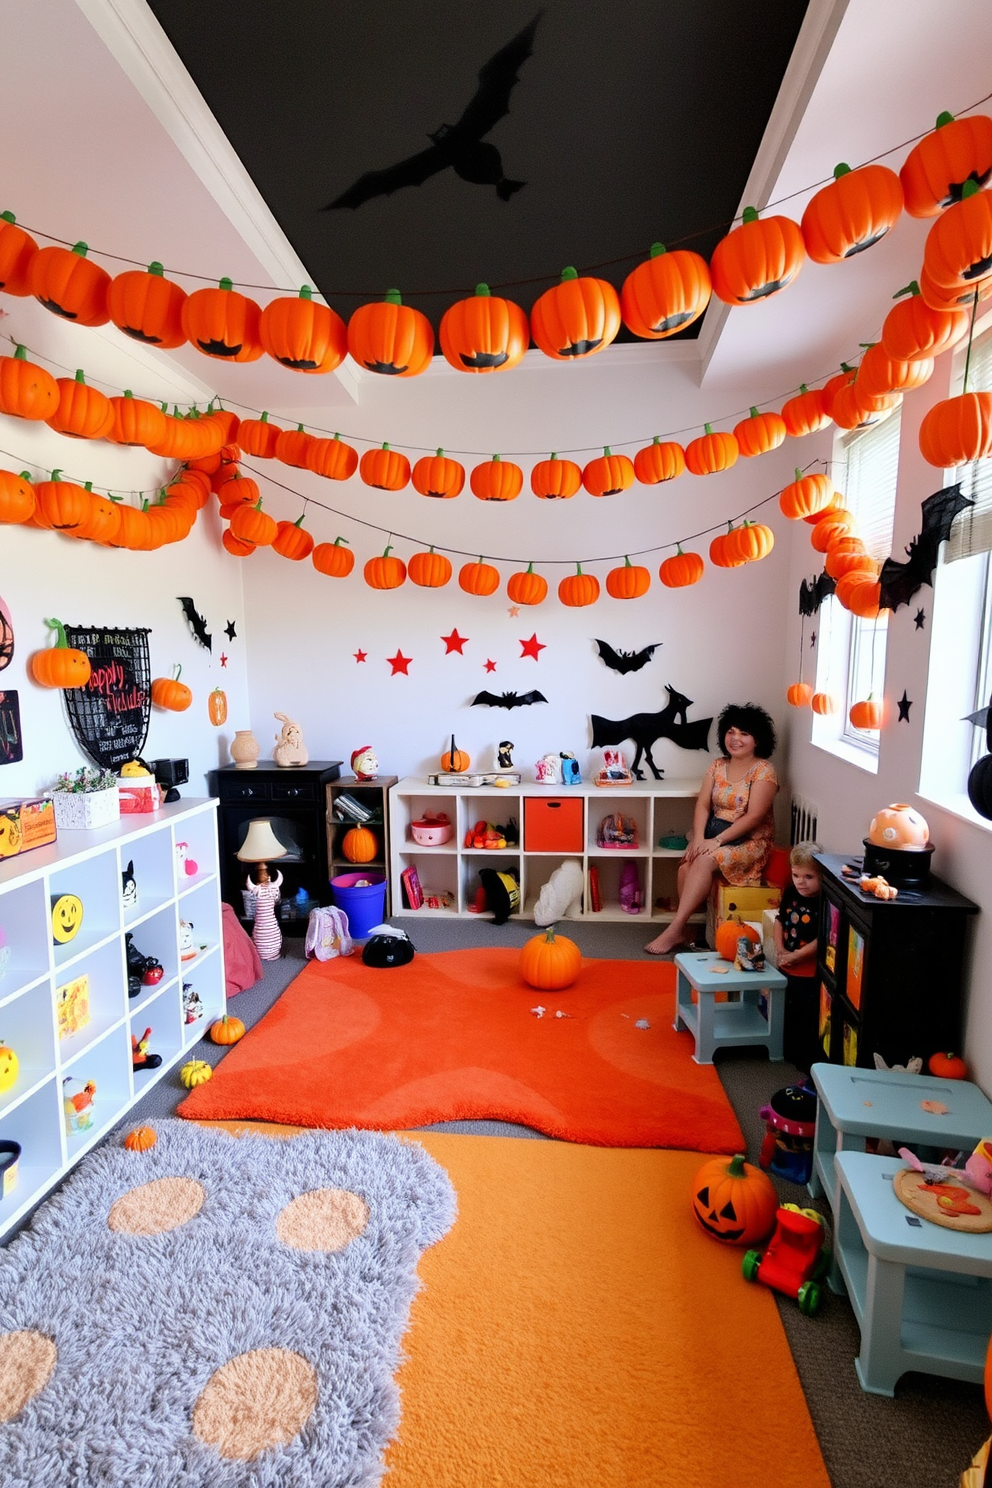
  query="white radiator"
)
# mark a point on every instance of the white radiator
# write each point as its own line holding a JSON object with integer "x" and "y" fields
{"x": 804, "y": 820}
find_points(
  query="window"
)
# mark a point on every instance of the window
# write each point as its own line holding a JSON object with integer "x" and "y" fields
{"x": 850, "y": 661}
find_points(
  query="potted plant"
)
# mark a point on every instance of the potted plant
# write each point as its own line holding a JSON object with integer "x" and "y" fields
{"x": 88, "y": 798}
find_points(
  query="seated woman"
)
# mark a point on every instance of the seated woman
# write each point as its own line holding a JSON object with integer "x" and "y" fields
{"x": 732, "y": 824}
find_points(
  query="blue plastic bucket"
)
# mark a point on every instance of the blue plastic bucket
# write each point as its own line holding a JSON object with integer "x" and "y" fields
{"x": 362, "y": 896}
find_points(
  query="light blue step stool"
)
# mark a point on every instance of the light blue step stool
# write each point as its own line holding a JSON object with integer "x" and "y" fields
{"x": 922, "y": 1294}
{"x": 729, "y": 1024}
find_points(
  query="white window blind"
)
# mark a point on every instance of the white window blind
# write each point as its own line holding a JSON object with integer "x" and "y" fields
{"x": 972, "y": 530}
{"x": 871, "y": 458}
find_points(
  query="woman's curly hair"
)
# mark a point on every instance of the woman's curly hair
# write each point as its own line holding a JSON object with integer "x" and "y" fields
{"x": 750, "y": 719}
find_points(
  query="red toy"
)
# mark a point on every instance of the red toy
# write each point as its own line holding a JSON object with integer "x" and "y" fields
{"x": 796, "y": 1256}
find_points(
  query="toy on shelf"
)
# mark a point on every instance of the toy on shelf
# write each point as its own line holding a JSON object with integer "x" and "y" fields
{"x": 187, "y": 948}
{"x": 290, "y": 751}
{"x": 142, "y": 971}
{"x": 455, "y": 761}
{"x": 140, "y": 1057}
{"x": 561, "y": 896}
{"x": 67, "y": 917}
{"x": 631, "y": 892}
{"x": 77, "y": 1104}
{"x": 790, "y": 1125}
{"x": 504, "y": 754}
{"x": 877, "y": 886}
{"x": 795, "y": 1258}
{"x": 570, "y": 774}
{"x": 9, "y": 1065}
{"x": 617, "y": 832}
{"x": 192, "y": 1005}
{"x": 129, "y": 887}
{"x": 433, "y": 829}
{"x": 139, "y": 791}
{"x": 547, "y": 771}
{"x": 615, "y": 770}
{"x": 185, "y": 865}
{"x": 365, "y": 763}
{"x": 492, "y": 838}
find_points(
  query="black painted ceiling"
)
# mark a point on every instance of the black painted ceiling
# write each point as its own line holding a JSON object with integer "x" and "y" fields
{"x": 630, "y": 122}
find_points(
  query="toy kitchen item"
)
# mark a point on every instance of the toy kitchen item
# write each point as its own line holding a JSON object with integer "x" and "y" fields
{"x": 898, "y": 847}
{"x": 432, "y": 830}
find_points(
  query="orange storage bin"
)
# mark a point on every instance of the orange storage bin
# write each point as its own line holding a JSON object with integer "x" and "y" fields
{"x": 552, "y": 825}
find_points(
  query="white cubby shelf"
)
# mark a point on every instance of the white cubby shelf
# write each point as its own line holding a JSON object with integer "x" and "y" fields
{"x": 90, "y": 864}
{"x": 659, "y": 808}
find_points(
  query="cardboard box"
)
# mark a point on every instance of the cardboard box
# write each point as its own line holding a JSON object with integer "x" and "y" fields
{"x": 26, "y": 824}
{"x": 745, "y": 903}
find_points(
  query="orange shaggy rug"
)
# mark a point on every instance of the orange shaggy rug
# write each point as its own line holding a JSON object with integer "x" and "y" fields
{"x": 453, "y": 1037}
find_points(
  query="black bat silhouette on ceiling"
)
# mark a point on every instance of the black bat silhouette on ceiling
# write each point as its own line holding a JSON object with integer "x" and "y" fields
{"x": 900, "y": 581}
{"x": 197, "y": 624}
{"x": 812, "y": 593}
{"x": 458, "y": 145}
{"x": 507, "y": 699}
{"x": 626, "y": 661}
{"x": 646, "y": 728}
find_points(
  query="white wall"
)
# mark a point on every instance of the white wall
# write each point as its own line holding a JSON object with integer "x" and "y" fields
{"x": 721, "y": 640}
{"x": 849, "y": 796}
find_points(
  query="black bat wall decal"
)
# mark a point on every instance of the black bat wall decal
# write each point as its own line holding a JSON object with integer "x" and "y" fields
{"x": 812, "y": 593}
{"x": 626, "y": 661}
{"x": 900, "y": 581}
{"x": 197, "y": 624}
{"x": 507, "y": 699}
{"x": 460, "y": 145}
{"x": 646, "y": 728}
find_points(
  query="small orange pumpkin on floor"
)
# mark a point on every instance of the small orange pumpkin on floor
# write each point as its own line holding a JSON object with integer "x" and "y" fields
{"x": 734, "y": 1201}
{"x": 141, "y": 1139}
{"x": 227, "y": 1030}
{"x": 550, "y": 962}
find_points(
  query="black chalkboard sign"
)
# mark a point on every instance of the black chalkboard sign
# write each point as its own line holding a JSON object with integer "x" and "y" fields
{"x": 11, "y": 747}
{"x": 109, "y": 716}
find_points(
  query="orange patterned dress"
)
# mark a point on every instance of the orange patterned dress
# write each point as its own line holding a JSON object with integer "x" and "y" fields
{"x": 741, "y": 862}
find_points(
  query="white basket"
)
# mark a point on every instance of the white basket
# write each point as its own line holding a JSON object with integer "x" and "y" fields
{"x": 86, "y": 809}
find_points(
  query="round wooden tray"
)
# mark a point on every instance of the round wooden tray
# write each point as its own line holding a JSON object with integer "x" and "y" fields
{"x": 932, "y": 1202}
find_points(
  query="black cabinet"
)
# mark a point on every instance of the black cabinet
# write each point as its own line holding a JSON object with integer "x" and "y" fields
{"x": 293, "y": 800}
{"x": 890, "y": 971}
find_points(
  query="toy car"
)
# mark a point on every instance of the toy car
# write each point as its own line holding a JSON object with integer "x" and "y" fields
{"x": 795, "y": 1258}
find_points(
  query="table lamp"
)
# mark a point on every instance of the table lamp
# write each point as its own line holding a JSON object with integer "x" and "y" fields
{"x": 260, "y": 846}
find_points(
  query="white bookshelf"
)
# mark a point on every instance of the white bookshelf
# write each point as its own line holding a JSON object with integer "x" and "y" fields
{"x": 660, "y": 808}
{"x": 90, "y": 864}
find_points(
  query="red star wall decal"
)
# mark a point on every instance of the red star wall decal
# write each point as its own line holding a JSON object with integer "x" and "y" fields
{"x": 399, "y": 663}
{"x": 490, "y": 666}
{"x": 360, "y": 655}
{"x": 454, "y": 642}
{"x": 532, "y": 647}
{"x": 223, "y": 659}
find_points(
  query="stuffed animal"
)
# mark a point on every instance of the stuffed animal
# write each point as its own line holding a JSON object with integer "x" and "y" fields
{"x": 911, "y": 1067}
{"x": 561, "y": 895}
{"x": 877, "y": 886}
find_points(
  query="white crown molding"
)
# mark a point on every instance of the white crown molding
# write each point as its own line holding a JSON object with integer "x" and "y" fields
{"x": 813, "y": 44}
{"x": 133, "y": 36}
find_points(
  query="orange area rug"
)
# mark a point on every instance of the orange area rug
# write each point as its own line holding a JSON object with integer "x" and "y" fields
{"x": 452, "y": 1037}
{"x": 577, "y": 1328}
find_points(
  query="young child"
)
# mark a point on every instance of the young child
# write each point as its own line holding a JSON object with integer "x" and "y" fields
{"x": 796, "y": 931}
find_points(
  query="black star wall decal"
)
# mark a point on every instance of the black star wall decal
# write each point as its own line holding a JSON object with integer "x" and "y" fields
{"x": 230, "y": 631}
{"x": 919, "y": 618}
{"x": 812, "y": 639}
{"x": 904, "y": 707}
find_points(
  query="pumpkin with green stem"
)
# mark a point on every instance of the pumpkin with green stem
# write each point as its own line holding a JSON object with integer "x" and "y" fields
{"x": 83, "y": 412}
{"x": 333, "y": 559}
{"x": 661, "y": 460}
{"x": 61, "y": 505}
{"x": 455, "y": 761}
{"x": 759, "y": 433}
{"x": 17, "y": 498}
{"x": 292, "y": 541}
{"x": 527, "y": 588}
{"x": 956, "y": 152}
{"x": 497, "y": 480}
{"x": 913, "y": 330}
{"x": 554, "y": 479}
{"x": 331, "y": 458}
{"x": 666, "y": 293}
{"x": 303, "y": 335}
{"x": 866, "y": 714}
{"x": 387, "y": 572}
{"x": 61, "y": 665}
{"x": 734, "y": 1201}
{"x": 578, "y": 590}
{"x": 385, "y": 469}
{"x": 436, "y": 475}
{"x": 258, "y": 438}
{"x": 631, "y": 581}
{"x": 805, "y": 495}
{"x": 148, "y": 307}
{"x": 429, "y": 570}
{"x": 391, "y": 338}
{"x": 711, "y": 452}
{"x": 854, "y": 212}
{"x": 136, "y": 421}
{"x": 805, "y": 413}
{"x": 958, "y": 249}
{"x": 608, "y": 474}
{"x": 484, "y": 333}
{"x": 252, "y": 524}
{"x": 550, "y": 962}
{"x": 26, "y": 390}
{"x": 223, "y": 323}
{"x": 478, "y": 578}
{"x": 70, "y": 285}
{"x": 576, "y": 318}
{"x": 757, "y": 259}
{"x": 17, "y": 249}
{"x": 681, "y": 570}
{"x": 171, "y": 694}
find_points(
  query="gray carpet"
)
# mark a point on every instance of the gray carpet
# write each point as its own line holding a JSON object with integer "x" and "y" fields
{"x": 922, "y": 1439}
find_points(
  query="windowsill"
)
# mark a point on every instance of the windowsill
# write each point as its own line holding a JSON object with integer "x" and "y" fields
{"x": 956, "y": 804}
{"x": 865, "y": 759}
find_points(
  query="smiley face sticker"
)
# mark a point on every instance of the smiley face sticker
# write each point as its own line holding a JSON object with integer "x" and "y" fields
{"x": 67, "y": 916}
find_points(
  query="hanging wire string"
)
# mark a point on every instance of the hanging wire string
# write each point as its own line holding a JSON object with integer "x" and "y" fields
{"x": 606, "y": 263}
{"x": 503, "y": 558}
{"x": 429, "y": 449}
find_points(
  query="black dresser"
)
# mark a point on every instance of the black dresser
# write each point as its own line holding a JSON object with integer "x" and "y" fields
{"x": 890, "y": 971}
{"x": 293, "y": 799}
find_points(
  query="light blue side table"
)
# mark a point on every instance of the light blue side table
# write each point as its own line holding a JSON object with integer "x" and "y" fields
{"x": 859, "y": 1103}
{"x": 922, "y": 1294}
{"x": 728, "y": 1024}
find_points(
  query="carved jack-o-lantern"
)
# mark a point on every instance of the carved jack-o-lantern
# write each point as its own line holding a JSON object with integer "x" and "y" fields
{"x": 734, "y": 1201}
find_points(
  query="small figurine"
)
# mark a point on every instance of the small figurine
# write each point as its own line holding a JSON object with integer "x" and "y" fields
{"x": 878, "y": 886}
{"x": 187, "y": 950}
{"x": 547, "y": 771}
{"x": 290, "y": 750}
{"x": 184, "y": 862}
{"x": 365, "y": 763}
{"x": 504, "y": 755}
{"x": 129, "y": 887}
{"x": 77, "y": 1104}
{"x": 142, "y": 971}
{"x": 192, "y": 1006}
{"x": 614, "y": 771}
{"x": 140, "y": 1057}
{"x": 569, "y": 768}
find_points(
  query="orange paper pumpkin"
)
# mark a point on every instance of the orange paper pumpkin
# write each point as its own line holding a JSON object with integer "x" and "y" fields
{"x": 681, "y": 570}
{"x": 760, "y": 433}
{"x": 17, "y": 248}
{"x": 387, "y": 572}
{"x": 659, "y": 461}
{"x": 436, "y": 475}
{"x": 217, "y": 706}
{"x": 578, "y": 589}
{"x": 937, "y": 168}
{"x": 258, "y": 438}
{"x": 608, "y": 474}
{"x": 628, "y": 582}
{"x": 17, "y": 499}
{"x": 292, "y": 541}
{"x": 69, "y": 284}
{"x": 26, "y": 390}
{"x": 223, "y": 323}
{"x": 866, "y": 714}
{"x": 333, "y": 559}
{"x": 148, "y": 307}
{"x": 957, "y": 430}
{"x": 958, "y": 249}
{"x": 429, "y": 570}
{"x": 711, "y": 453}
{"x": 824, "y": 702}
{"x": 303, "y": 335}
{"x": 252, "y": 524}
{"x": 805, "y": 495}
{"x": 799, "y": 695}
{"x": 385, "y": 469}
{"x": 293, "y": 447}
{"x": 805, "y": 413}
{"x": 83, "y": 412}
{"x": 478, "y": 578}
{"x": 497, "y": 480}
{"x": 484, "y": 333}
{"x": 757, "y": 259}
{"x": 331, "y": 458}
{"x": 391, "y": 338}
{"x": 914, "y": 330}
{"x": 136, "y": 422}
{"x": 665, "y": 294}
{"x": 576, "y": 318}
{"x": 554, "y": 479}
{"x": 527, "y": 588}
{"x": 857, "y": 209}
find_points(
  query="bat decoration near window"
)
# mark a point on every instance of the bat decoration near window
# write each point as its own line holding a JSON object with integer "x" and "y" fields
{"x": 197, "y": 624}
{"x": 645, "y": 729}
{"x": 626, "y": 661}
{"x": 900, "y": 581}
{"x": 507, "y": 699}
{"x": 461, "y": 146}
{"x": 812, "y": 593}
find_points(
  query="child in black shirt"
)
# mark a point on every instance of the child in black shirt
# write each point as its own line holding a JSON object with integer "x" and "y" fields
{"x": 796, "y": 931}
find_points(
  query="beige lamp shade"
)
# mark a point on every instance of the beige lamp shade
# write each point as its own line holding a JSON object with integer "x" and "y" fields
{"x": 261, "y": 844}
